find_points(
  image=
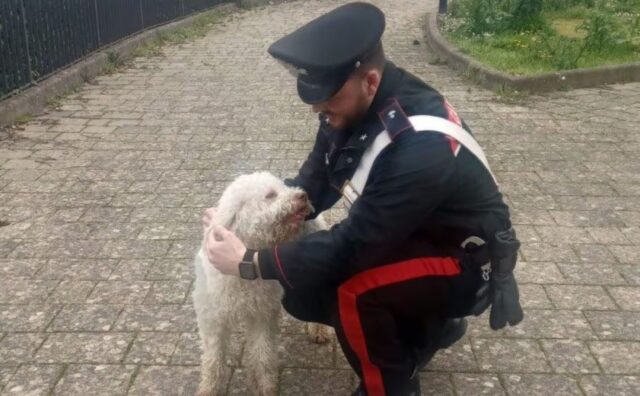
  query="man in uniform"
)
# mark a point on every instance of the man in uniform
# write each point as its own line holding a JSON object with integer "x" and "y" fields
{"x": 425, "y": 214}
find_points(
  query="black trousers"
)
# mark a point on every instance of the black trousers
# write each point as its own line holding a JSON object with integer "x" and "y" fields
{"x": 382, "y": 316}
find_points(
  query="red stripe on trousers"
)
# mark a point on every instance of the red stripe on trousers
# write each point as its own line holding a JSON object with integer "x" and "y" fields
{"x": 349, "y": 292}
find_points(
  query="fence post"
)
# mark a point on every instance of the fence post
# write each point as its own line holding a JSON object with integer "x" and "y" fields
{"x": 95, "y": 3}
{"x": 141, "y": 15}
{"x": 442, "y": 7}
{"x": 26, "y": 40}
{"x": 182, "y": 7}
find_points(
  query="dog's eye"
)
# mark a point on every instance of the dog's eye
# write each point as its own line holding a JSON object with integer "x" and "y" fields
{"x": 271, "y": 195}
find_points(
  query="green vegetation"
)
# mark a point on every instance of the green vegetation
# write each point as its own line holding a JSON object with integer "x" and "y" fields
{"x": 201, "y": 25}
{"x": 534, "y": 36}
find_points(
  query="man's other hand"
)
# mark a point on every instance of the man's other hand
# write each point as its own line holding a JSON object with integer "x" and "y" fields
{"x": 224, "y": 250}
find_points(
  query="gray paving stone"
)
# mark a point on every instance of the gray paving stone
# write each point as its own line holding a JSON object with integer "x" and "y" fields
{"x": 563, "y": 235}
{"x": 534, "y": 296}
{"x": 10, "y": 268}
{"x": 71, "y": 291}
{"x": 509, "y": 355}
{"x": 316, "y": 382}
{"x": 6, "y": 372}
{"x": 538, "y": 323}
{"x": 626, "y": 253}
{"x": 131, "y": 270}
{"x": 569, "y": 356}
{"x": 436, "y": 384}
{"x": 152, "y": 348}
{"x": 93, "y": 269}
{"x": 85, "y": 317}
{"x": 592, "y": 274}
{"x": 631, "y": 273}
{"x": 135, "y": 248}
{"x": 34, "y": 380}
{"x": 17, "y": 348}
{"x": 172, "y": 269}
{"x": 296, "y": 350}
{"x": 540, "y": 384}
{"x": 627, "y": 297}
{"x": 106, "y": 380}
{"x": 477, "y": 384}
{"x": 589, "y": 253}
{"x": 169, "y": 292}
{"x": 119, "y": 292}
{"x": 175, "y": 318}
{"x": 612, "y": 325}
{"x": 607, "y": 235}
{"x": 22, "y": 291}
{"x": 165, "y": 380}
{"x": 23, "y": 318}
{"x": 84, "y": 348}
{"x": 615, "y": 356}
{"x": 579, "y": 297}
{"x": 458, "y": 357}
{"x": 610, "y": 385}
{"x": 548, "y": 252}
{"x": 575, "y": 218}
{"x": 538, "y": 272}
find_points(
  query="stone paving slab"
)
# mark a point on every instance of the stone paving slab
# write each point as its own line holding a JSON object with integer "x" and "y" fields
{"x": 103, "y": 197}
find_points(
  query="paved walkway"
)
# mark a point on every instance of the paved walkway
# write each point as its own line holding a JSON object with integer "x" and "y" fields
{"x": 104, "y": 197}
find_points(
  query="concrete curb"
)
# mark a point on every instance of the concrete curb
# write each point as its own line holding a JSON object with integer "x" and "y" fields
{"x": 33, "y": 100}
{"x": 547, "y": 82}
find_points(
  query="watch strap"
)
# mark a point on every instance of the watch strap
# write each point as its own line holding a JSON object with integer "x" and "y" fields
{"x": 248, "y": 256}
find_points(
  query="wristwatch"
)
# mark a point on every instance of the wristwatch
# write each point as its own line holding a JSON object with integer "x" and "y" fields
{"x": 247, "y": 267}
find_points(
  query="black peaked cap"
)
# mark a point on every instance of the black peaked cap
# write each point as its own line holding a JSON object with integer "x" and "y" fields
{"x": 324, "y": 52}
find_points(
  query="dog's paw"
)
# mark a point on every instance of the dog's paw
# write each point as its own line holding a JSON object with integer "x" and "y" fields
{"x": 319, "y": 334}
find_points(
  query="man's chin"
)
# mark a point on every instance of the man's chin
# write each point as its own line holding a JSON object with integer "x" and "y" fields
{"x": 339, "y": 125}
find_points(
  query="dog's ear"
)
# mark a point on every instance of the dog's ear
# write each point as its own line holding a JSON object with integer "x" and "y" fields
{"x": 227, "y": 216}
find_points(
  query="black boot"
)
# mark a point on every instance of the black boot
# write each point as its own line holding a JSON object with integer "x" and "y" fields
{"x": 414, "y": 391}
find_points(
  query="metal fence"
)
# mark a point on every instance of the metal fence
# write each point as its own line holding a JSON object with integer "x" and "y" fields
{"x": 38, "y": 37}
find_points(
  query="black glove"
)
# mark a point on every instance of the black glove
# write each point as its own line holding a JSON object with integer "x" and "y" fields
{"x": 503, "y": 289}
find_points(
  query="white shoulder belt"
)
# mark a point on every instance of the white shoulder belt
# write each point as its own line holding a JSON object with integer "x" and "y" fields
{"x": 354, "y": 187}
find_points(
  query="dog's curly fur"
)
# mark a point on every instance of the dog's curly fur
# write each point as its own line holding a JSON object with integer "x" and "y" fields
{"x": 261, "y": 211}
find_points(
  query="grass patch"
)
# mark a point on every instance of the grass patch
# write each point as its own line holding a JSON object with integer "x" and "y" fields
{"x": 114, "y": 62}
{"x": 200, "y": 27}
{"x": 23, "y": 119}
{"x": 570, "y": 34}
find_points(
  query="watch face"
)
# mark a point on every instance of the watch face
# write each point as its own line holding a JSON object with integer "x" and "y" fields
{"x": 247, "y": 271}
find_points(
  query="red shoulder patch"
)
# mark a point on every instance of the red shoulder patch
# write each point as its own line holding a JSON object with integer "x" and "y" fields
{"x": 453, "y": 117}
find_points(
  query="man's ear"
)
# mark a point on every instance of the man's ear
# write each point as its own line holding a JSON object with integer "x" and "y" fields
{"x": 372, "y": 81}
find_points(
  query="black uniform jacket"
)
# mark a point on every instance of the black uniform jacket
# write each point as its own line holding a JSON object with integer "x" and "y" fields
{"x": 424, "y": 190}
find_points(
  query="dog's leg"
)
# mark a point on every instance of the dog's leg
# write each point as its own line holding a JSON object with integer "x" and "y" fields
{"x": 319, "y": 333}
{"x": 215, "y": 335}
{"x": 262, "y": 352}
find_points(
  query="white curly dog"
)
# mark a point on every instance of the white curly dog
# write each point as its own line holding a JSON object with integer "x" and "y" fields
{"x": 261, "y": 211}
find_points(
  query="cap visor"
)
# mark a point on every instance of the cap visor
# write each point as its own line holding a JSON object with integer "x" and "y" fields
{"x": 316, "y": 93}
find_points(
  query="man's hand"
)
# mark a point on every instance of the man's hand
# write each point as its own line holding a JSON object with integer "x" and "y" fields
{"x": 224, "y": 250}
{"x": 207, "y": 218}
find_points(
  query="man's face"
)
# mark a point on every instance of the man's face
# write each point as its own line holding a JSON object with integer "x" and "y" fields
{"x": 351, "y": 102}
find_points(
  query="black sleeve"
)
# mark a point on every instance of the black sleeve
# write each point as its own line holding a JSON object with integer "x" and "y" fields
{"x": 409, "y": 179}
{"x": 312, "y": 176}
